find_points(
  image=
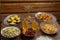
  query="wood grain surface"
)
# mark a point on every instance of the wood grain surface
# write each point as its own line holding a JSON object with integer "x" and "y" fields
{"x": 29, "y": 0}
{"x": 29, "y": 7}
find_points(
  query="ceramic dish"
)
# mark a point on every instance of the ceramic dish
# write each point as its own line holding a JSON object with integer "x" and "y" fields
{"x": 8, "y": 18}
{"x": 49, "y": 28}
{"x": 10, "y": 32}
{"x": 52, "y": 20}
{"x": 43, "y": 37}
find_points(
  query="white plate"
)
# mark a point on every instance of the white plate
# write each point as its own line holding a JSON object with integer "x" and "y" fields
{"x": 43, "y": 37}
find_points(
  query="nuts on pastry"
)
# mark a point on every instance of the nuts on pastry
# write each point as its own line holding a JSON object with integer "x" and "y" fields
{"x": 49, "y": 29}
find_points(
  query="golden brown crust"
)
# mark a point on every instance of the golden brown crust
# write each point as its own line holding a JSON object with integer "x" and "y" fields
{"x": 49, "y": 29}
{"x": 45, "y": 17}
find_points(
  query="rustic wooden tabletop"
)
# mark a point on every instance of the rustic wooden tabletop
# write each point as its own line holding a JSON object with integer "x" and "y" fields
{"x": 29, "y": 7}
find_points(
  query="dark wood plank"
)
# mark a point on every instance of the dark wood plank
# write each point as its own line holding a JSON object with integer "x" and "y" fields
{"x": 27, "y": 0}
{"x": 29, "y": 7}
{"x": 59, "y": 22}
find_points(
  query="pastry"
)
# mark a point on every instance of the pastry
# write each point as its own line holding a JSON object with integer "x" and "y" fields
{"x": 14, "y": 20}
{"x": 45, "y": 17}
{"x": 49, "y": 29}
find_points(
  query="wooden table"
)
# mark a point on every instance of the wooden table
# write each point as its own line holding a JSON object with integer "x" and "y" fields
{"x": 29, "y": 7}
{"x": 21, "y": 37}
